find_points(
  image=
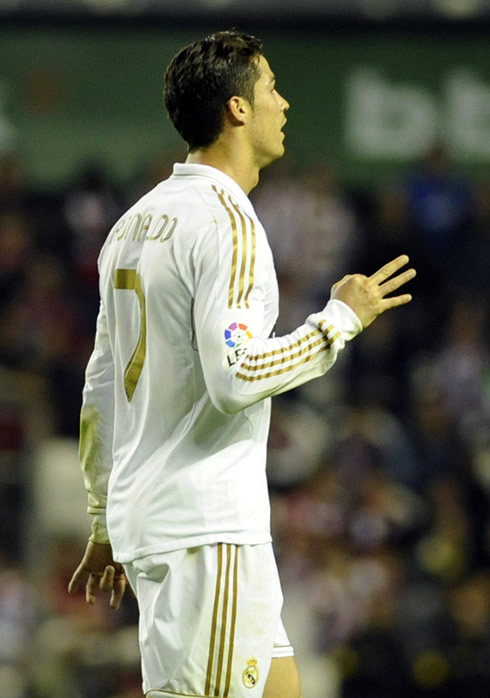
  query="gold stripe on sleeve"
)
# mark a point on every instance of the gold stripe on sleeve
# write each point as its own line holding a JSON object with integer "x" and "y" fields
{"x": 294, "y": 345}
{"x": 251, "y": 278}
{"x": 281, "y": 350}
{"x": 327, "y": 330}
{"x": 246, "y": 256}
{"x": 324, "y": 329}
{"x": 231, "y": 289}
{"x": 288, "y": 357}
{"x": 233, "y": 625}
{"x": 279, "y": 372}
{"x": 212, "y": 641}
{"x": 303, "y": 345}
{"x": 241, "y": 281}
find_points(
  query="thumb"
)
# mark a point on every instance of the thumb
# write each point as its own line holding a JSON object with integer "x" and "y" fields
{"x": 76, "y": 579}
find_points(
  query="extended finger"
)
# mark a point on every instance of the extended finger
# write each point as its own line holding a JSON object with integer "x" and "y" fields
{"x": 118, "y": 591}
{"x": 389, "y": 269}
{"x": 91, "y": 588}
{"x": 394, "y": 302}
{"x": 392, "y": 284}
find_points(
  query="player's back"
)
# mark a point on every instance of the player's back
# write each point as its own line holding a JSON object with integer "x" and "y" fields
{"x": 144, "y": 270}
{"x": 171, "y": 480}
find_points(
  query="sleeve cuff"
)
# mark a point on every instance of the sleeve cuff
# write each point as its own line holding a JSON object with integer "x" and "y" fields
{"x": 343, "y": 319}
{"x": 99, "y": 529}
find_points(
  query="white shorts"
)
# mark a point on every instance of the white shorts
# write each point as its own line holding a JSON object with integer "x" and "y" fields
{"x": 210, "y": 620}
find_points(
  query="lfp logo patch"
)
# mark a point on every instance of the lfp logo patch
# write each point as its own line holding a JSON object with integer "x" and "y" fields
{"x": 236, "y": 334}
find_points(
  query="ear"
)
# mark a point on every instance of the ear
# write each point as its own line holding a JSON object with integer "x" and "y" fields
{"x": 238, "y": 109}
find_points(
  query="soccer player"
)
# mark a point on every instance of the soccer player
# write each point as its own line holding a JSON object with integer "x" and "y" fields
{"x": 176, "y": 403}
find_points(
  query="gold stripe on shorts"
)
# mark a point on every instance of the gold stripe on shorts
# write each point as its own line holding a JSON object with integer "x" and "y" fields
{"x": 215, "y": 618}
{"x": 233, "y": 625}
{"x": 222, "y": 638}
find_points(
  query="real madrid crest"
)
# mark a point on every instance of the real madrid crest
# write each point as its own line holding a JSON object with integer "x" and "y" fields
{"x": 250, "y": 676}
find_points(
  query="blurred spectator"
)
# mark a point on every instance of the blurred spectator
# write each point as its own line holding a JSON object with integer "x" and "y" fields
{"x": 374, "y": 439}
{"x": 444, "y": 551}
{"x": 91, "y": 206}
{"x": 13, "y": 191}
{"x": 18, "y": 620}
{"x": 16, "y": 250}
{"x": 49, "y": 337}
{"x": 463, "y": 363}
{"x": 151, "y": 174}
{"x": 471, "y": 272}
{"x": 308, "y": 218}
{"x": 440, "y": 204}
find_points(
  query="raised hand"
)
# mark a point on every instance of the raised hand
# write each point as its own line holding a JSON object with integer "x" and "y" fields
{"x": 101, "y": 573}
{"x": 366, "y": 295}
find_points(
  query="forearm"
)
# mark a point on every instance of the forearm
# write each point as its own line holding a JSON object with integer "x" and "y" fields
{"x": 96, "y": 465}
{"x": 262, "y": 367}
{"x": 96, "y": 429}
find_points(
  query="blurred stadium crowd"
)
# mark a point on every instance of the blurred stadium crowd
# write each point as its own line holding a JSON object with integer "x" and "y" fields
{"x": 379, "y": 472}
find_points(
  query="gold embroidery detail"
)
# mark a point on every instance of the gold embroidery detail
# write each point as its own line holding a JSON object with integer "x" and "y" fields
{"x": 250, "y": 676}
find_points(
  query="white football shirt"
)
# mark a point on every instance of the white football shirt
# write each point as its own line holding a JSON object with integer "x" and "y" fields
{"x": 176, "y": 404}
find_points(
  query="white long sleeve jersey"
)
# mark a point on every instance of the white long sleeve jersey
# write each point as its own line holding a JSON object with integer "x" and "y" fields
{"x": 176, "y": 404}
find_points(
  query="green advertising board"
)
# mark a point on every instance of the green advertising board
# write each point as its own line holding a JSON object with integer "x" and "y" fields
{"x": 369, "y": 102}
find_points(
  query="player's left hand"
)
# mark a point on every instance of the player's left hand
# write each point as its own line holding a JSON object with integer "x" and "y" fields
{"x": 101, "y": 573}
{"x": 366, "y": 295}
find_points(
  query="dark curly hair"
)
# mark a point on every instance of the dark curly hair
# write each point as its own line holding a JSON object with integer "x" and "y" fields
{"x": 201, "y": 79}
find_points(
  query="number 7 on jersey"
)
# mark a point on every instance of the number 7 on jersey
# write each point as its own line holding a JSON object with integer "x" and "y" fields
{"x": 130, "y": 280}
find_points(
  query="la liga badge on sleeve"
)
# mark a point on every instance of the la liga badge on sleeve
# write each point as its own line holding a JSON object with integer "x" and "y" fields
{"x": 236, "y": 334}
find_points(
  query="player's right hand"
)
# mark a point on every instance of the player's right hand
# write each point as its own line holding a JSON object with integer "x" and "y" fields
{"x": 99, "y": 572}
{"x": 366, "y": 295}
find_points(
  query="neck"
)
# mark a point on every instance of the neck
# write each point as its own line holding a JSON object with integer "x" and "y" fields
{"x": 231, "y": 159}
